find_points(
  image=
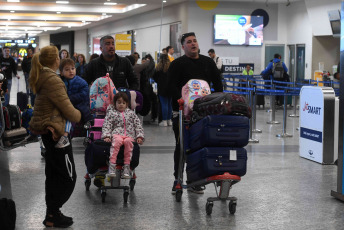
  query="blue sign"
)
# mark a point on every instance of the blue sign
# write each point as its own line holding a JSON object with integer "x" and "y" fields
{"x": 242, "y": 21}
{"x": 311, "y": 134}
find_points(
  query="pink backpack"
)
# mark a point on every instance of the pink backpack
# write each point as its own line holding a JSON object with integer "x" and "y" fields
{"x": 101, "y": 94}
{"x": 192, "y": 90}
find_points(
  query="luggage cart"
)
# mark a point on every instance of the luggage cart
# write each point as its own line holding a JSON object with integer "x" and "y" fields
{"x": 224, "y": 181}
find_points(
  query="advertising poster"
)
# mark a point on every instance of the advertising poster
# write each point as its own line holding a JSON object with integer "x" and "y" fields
{"x": 96, "y": 46}
{"x": 311, "y": 123}
{"x": 123, "y": 44}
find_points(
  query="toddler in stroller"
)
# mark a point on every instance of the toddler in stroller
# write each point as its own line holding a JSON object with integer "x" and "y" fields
{"x": 124, "y": 123}
{"x": 123, "y": 126}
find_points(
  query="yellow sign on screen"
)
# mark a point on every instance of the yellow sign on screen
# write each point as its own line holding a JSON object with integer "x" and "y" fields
{"x": 123, "y": 42}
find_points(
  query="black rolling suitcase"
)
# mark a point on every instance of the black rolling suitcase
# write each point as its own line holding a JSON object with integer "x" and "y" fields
{"x": 22, "y": 99}
{"x": 219, "y": 131}
{"x": 210, "y": 161}
{"x": 12, "y": 117}
{"x": 260, "y": 100}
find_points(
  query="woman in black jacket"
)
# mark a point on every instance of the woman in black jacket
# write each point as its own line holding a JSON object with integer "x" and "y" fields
{"x": 160, "y": 77}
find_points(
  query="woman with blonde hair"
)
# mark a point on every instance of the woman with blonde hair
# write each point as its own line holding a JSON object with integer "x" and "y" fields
{"x": 160, "y": 77}
{"x": 52, "y": 108}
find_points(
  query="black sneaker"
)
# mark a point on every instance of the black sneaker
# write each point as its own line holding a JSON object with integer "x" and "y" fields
{"x": 58, "y": 221}
{"x": 197, "y": 189}
{"x": 67, "y": 217}
{"x": 174, "y": 187}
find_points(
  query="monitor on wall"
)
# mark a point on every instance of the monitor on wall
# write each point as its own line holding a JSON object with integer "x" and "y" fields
{"x": 244, "y": 30}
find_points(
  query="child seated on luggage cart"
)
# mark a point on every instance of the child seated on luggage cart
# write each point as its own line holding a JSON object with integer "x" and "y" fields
{"x": 77, "y": 90}
{"x": 121, "y": 127}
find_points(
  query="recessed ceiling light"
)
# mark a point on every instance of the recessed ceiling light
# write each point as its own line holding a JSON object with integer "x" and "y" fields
{"x": 62, "y": 2}
{"x": 45, "y": 30}
{"x": 12, "y": 11}
{"x": 38, "y": 26}
{"x": 9, "y": 19}
{"x": 110, "y": 3}
{"x": 58, "y": 12}
{"x": 83, "y": 21}
{"x": 69, "y": 26}
{"x": 164, "y": 1}
{"x": 13, "y": 0}
{"x": 104, "y": 14}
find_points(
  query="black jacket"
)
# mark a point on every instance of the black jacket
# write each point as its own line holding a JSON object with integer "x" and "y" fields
{"x": 122, "y": 75}
{"x": 26, "y": 64}
{"x": 160, "y": 77}
{"x": 9, "y": 66}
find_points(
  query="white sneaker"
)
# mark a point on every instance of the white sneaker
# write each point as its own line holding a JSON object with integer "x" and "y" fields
{"x": 169, "y": 122}
{"x": 63, "y": 142}
{"x": 163, "y": 123}
{"x": 112, "y": 170}
{"x": 126, "y": 172}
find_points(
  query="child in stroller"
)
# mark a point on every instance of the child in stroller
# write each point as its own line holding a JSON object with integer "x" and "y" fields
{"x": 121, "y": 127}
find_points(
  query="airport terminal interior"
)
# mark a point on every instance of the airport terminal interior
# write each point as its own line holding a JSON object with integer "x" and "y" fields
{"x": 280, "y": 190}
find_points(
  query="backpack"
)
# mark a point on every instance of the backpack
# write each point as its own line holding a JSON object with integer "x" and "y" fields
{"x": 101, "y": 94}
{"x": 192, "y": 90}
{"x": 26, "y": 117}
{"x": 277, "y": 71}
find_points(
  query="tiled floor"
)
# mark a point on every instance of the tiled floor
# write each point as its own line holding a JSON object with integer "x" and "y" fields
{"x": 279, "y": 191}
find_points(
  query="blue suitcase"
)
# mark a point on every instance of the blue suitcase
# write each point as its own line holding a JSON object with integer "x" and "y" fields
{"x": 210, "y": 161}
{"x": 219, "y": 131}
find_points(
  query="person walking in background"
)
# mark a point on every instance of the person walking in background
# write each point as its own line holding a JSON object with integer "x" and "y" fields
{"x": 52, "y": 109}
{"x": 160, "y": 77}
{"x": 26, "y": 66}
{"x": 119, "y": 68}
{"x": 7, "y": 68}
{"x": 247, "y": 70}
{"x": 216, "y": 59}
{"x": 63, "y": 54}
{"x": 80, "y": 70}
{"x": 170, "y": 52}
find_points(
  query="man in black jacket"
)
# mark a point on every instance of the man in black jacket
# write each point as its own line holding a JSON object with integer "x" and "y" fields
{"x": 7, "y": 67}
{"x": 192, "y": 65}
{"x": 26, "y": 66}
{"x": 119, "y": 68}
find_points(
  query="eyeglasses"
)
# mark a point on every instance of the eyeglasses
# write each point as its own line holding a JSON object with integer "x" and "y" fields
{"x": 184, "y": 36}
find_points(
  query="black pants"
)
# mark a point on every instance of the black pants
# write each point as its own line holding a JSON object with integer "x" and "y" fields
{"x": 60, "y": 174}
{"x": 175, "y": 126}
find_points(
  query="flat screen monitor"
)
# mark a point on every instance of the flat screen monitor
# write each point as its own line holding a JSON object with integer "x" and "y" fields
{"x": 244, "y": 30}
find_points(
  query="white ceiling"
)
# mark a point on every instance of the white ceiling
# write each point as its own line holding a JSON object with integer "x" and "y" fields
{"x": 41, "y": 17}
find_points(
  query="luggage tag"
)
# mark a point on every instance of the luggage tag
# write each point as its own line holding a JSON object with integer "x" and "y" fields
{"x": 232, "y": 155}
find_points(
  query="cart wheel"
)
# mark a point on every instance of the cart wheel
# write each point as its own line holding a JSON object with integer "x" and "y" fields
{"x": 103, "y": 194}
{"x": 132, "y": 183}
{"x": 232, "y": 207}
{"x": 179, "y": 194}
{"x": 125, "y": 196}
{"x": 209, "y": 207}
{"x": 87, "y": 184}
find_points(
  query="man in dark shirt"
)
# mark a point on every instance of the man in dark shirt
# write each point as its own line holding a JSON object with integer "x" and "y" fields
{"x": 192, "y": 65}
{"x": 119, "y": 68}
{"x": 26, "y": 66}
{"x": 7, "y": 67}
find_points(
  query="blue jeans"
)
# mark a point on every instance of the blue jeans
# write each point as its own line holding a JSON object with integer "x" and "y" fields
{"x": 166, "y": 107}
{"x": 7, "y": 95}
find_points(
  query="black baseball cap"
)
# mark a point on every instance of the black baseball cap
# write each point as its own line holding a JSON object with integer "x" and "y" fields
{"x": 184, "y": 36}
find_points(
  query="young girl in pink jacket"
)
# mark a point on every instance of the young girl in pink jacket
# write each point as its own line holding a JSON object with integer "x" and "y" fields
{"x": 121, "y": 127}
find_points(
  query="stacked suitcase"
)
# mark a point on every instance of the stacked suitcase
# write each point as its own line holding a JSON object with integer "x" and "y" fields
{"x": 216, "y": 146}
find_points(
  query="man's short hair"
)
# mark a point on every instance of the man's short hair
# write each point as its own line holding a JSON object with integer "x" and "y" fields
{"x": 168, "y": 48}
{"x": 277, "y": 56}
{"x": 138, "y": 55}
{"x": 103, "y": 39}
{"x": 184, "y": 36}
{"x": 6, "y": 47}
{"x": 211, "y": 51}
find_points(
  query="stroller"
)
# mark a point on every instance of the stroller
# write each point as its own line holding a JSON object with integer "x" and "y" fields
{"x": 212, "y": 149}
{"x": 97, "y": 151}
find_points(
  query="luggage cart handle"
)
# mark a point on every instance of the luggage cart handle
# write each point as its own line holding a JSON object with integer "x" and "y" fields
{"x": 181, "y": 104}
